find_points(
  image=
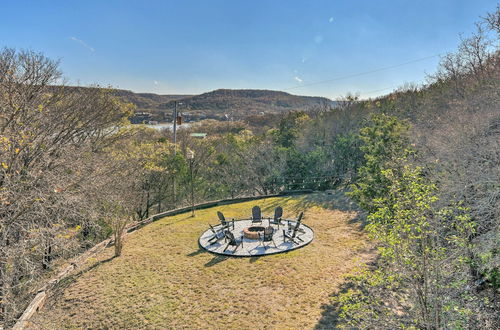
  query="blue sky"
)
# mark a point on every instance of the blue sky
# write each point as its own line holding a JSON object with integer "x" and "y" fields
{"x": 190, "y": 47}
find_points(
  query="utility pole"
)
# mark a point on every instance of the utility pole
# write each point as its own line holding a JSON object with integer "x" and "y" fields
{"x": 175, "y": 128}
{"x": 190, "y": 156}
{"x": 175, "y": 151}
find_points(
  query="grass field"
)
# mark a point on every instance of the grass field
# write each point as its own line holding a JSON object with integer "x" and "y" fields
{"x": 163, "y": 280}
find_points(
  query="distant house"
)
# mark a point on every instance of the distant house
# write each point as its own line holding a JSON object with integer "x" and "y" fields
{"x": 141, "y": 118}
{"x": 198, "y": 135}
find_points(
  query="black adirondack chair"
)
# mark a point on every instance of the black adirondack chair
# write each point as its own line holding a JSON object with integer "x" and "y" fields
{"x": 256, "y": 215}
{"x": 297, "y": 224}
{"x": 292, "y": 235}
{"x": 218, "y": 235}
{"x": 267, "y": 237}
{"x": 232, "y": 241}
{"x": 276, "y": 220}
{"x": 225, "y": 223}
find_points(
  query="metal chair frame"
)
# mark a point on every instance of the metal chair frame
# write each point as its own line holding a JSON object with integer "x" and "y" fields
{"x": 256, "y": 215}
{"x": 267, "y": 236}
{"x": 232, "y": 241}
{"x": 225, "y": 223}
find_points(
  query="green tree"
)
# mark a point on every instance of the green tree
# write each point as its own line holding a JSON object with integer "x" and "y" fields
{"x": 346, "y": 156}
{"x": 50, "y": 138}
{"x": 289, "y": 128}
{"x": 385, "y": 140}
{"x": 422, "y": 242}
{"x": 423, "y": 251}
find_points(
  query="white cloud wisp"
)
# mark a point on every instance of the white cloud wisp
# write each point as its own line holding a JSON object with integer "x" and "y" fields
{"x": 83, "y": 43}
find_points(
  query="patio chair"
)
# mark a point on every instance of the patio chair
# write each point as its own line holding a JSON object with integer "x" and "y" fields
{"x": 225, "y": 224}
{"x": 276, "y": 220}
{"x": 267, "y": 237}
{"x": 298, "y": 222}
{"x": 291, "y": 235}
{"x": 232, "y": 241}
{"x": 256, "y": 215}
{"x": 218, "y": 235}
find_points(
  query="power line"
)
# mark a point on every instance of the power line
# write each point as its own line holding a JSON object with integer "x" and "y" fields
{"x": 359, "y": 93}
{"x": 379, "y": 90}
{"x": 363, "y": 73}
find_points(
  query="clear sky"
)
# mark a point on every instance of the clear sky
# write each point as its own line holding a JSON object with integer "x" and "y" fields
{"x": 190, "y": 47}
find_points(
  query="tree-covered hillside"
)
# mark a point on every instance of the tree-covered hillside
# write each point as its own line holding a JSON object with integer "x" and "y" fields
{"x": 239, "y": 103}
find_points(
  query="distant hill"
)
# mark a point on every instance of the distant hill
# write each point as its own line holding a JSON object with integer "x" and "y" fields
{"x": 148, "y": 102}
{"x": 250, "y": 101}
{"x": 222, "y": 103}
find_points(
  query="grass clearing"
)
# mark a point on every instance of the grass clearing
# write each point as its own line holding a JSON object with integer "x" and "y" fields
{"x": 163, "y": 279}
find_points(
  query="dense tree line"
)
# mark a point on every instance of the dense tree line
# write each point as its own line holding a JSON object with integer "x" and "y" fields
{"x": 48, "y": 143}
{"x": 430, "y": 183}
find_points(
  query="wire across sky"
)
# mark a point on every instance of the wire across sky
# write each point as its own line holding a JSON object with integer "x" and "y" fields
{"x": 363, "y": 73}
{"x": 195, "y": 46}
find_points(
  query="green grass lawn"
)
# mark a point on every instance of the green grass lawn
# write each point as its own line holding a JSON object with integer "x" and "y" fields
{"x": 163, "y": 279}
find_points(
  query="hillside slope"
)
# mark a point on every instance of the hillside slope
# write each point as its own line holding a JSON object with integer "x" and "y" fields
{"x": 249, "y": 101}
{"x": 146, "y": 101}
{"x": 164, "y": 278}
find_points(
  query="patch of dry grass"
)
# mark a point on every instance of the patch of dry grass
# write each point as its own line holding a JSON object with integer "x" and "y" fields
{"x": 163, "y": 280}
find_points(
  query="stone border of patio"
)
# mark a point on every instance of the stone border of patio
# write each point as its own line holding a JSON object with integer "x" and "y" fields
{"x": 252, "y": 248}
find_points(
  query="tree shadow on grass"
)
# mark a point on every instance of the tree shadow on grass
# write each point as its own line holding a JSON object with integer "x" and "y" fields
{"x": 335, "y": 200}
{"x": 170, "y": 223}
{"x": 95, "y": 265}
{"x": 330, "y": 312}
{"x": 65, "y": 282}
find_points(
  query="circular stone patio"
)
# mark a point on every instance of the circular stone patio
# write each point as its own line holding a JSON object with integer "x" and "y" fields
{"x": 252, "y": 247}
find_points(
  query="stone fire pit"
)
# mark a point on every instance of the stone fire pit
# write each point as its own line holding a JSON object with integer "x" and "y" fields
{"x": 253, "y": 232}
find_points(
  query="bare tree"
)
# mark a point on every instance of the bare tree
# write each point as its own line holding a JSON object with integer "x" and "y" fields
{"x": 48, "y": 137}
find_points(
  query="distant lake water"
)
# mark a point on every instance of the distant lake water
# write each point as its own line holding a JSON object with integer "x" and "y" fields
{"x": 168, "y": 126}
